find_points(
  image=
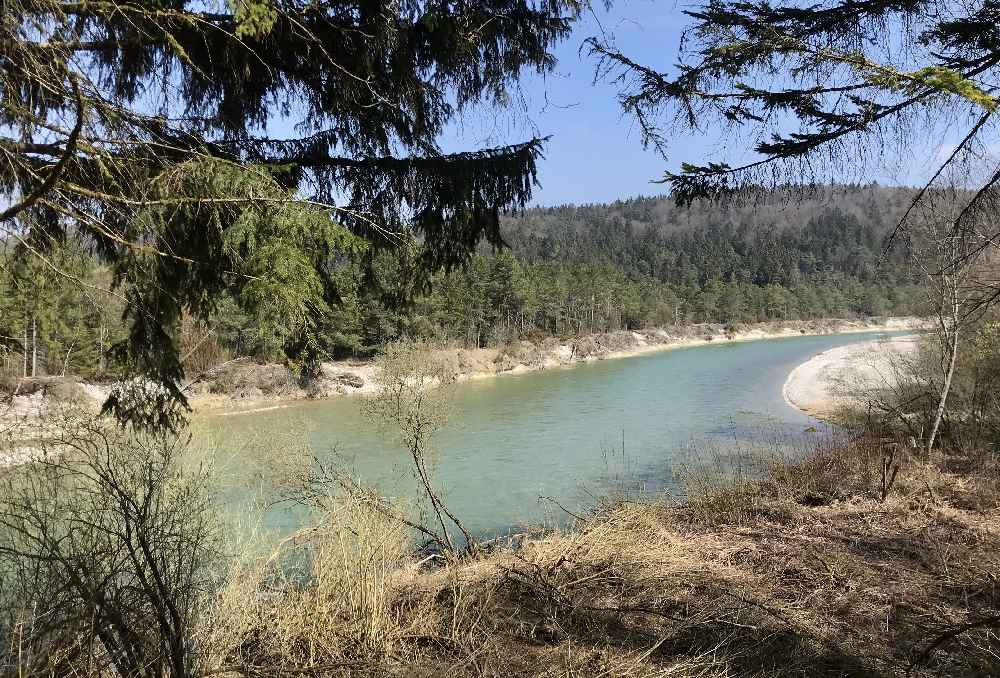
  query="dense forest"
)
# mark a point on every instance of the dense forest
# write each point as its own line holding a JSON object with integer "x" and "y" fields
{"x": 567, "y": 270}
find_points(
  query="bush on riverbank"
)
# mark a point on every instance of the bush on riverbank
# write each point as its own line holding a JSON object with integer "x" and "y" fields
{"x": 970, "y": 419}
{"x": 108, "y": 542}
{"x": 245, "y": 379}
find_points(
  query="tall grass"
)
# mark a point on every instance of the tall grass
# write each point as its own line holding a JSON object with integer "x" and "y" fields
{"x": 323, "y": 596}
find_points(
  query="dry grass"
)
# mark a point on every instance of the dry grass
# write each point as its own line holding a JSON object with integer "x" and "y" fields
{"x": 242, "y": 379}
{"x": 793, "y": 569}
{"x": 324, "y": 598}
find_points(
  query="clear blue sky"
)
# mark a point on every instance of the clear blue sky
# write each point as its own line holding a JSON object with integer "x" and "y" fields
{"x": 595, "y": 154}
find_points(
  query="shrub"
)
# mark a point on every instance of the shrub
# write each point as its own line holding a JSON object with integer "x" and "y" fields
{"x": 742, "y": 487}
{"x": 105, "y": 547}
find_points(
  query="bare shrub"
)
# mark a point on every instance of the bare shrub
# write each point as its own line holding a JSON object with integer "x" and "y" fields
{"x": 67, "y": 391}
{"x": 792, "y": 570}
{"x": 837, "y": 470}
{"x": 415, "y": 398}
{"x": 244, "y": 379}
{"x": 199, "y": 348}
{"x": 587, "y": 347}
{"x": 723, "y": 489}
{"x": 513, "y": 354}
{"x": 106, "y": 543}
{"x": 911, "y": 401}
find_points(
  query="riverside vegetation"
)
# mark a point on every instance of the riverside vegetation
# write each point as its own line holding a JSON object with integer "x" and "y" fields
{"x": 859, "y": 556}
{"x": 152, "y": 227}
{"x": 570, "y": 272}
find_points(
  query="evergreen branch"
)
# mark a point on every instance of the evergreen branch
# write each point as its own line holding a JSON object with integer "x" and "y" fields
{"x": 316, "y": 159}
{"x": 53, "y": 176}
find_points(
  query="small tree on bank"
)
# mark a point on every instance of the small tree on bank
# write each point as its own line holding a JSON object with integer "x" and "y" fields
{"x": 415, "y": 399}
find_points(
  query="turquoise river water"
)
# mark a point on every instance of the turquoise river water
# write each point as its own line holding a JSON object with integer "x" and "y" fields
{"x": 572, "y": 435}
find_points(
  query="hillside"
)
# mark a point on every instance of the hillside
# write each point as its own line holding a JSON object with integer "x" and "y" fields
{"x": 569, "y": 271}
{"x": 773, "y": 238}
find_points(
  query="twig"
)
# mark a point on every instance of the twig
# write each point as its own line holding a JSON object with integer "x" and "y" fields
{"x": 565, "y": 510}
{"x": 950, "y": 635}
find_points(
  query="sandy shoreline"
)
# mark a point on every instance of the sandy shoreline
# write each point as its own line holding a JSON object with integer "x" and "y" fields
{"x": 246, "y": 390}
{"x": 836, "y": 377}
{"x": 347, "y": 378}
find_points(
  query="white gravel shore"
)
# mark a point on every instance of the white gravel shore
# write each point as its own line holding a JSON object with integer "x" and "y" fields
{"x": 835, "y": 378}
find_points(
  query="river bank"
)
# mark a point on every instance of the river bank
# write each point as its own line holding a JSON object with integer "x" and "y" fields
{"x": 797, "y": 568}
{"x": 839, "y": 377}
{"x": 244, "y": 388}
{"x": 241, "y": 386}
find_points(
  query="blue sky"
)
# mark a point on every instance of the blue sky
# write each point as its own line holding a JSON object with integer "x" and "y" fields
{"x": 595, "y": 154}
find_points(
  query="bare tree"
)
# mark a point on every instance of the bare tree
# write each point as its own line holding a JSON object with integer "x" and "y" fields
{"x": 414, "y": 397}
{"x": 947, "y": 252}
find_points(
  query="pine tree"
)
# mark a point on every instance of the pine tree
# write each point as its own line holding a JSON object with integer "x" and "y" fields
{"x": 143, "y": 127}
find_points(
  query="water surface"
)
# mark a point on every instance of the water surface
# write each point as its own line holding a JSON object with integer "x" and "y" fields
{"x": 572, "y": 434}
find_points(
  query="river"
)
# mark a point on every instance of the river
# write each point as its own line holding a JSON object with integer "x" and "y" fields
{"x": 573, "y": 435}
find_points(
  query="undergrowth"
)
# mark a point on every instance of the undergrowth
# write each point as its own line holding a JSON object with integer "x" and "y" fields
{"x": 857, "y": 559}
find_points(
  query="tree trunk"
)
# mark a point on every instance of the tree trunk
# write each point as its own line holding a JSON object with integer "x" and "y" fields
{"x": 34, "y": 347}
{"x": 69, "y": 352}
{"x": 949, "y": 373}
{"x": 100, "y": 348}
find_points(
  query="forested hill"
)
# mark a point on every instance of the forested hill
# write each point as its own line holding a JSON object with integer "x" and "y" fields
{"x": 777, "y": 238}
{"x": 646, "y": 262}
{"x": 569, "y": 270}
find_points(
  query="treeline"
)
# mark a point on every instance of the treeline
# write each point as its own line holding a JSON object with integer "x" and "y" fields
{"x": 56, "y": 316}
{"x": 645, "y": 262}
{"x": 569, "y": 270}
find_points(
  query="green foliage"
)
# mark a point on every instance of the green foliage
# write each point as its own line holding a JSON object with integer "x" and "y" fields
{"x": 141, "y": 129}
{"x": 222, "y": 230}
{"x": 950, "y": 81}
{"x": 55, "y": 324}
{"x": 642, "y": 263}
{"x": 254, "y": 19}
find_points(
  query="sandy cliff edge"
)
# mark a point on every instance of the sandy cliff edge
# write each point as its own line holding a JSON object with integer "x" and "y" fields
{"x": 351, "y": 377}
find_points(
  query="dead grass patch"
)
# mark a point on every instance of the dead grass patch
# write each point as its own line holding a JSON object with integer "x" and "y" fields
{"x": 745, "y": 579}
